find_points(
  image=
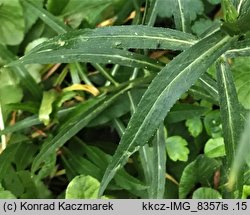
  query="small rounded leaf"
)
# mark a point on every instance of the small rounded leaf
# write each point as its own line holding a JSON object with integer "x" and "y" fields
{"x": 177, "y": 148}
{"x": 83, "y": 187}
{"x": 194, "y": 126}
{"x": 206, "y": 193}
{"x": 215, "y": 147}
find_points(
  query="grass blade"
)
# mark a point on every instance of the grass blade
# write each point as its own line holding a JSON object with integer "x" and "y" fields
{"x": 163, "y": 92}
{"x": 230, "y": 115}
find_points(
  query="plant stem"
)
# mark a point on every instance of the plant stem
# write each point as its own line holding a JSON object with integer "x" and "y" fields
{"x": 103, "y": 71}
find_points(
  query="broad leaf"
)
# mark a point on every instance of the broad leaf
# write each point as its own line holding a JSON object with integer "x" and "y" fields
{"x": 20, "y": 71}
{"x": 177, "y": 148}
{"x": 194, "y": 126}
{"x": 215, "y": 148}
{"x": 82, "y": 187}
{"x": 5, "y": 194}
{"x": 9, "y": 86}
{"x": 206, "y": 193}
{"x": 201, "y": 171}
{"x": 12, "y": 22}
{"x": 176, "y": 78}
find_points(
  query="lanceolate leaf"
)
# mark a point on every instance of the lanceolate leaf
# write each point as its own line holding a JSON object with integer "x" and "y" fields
{"x": 241, "y": 71}
{"x": 209, "y": 84}
{"x": 242, "y": 154}
{"x": 229, "y": 107}
{"x": 152, "y": 12}
{"x": 134, "y": 36}
{"x": 182, "y": 16}
{"x": 94, "y": 55}
{"x": 230, "y": 114}
{"x": 242, "y": 48}
{"x": 176, "y": 78}
{"x": 157, "y": 188}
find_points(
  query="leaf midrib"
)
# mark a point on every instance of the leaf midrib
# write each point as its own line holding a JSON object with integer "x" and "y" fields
{"x": 231, "y": 130}
{"x": 119, "y": 57}
{"x": 163, "y": 92}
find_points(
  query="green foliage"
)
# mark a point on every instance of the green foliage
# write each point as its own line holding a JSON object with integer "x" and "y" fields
{"x": 215, "y": 147}
{"x": 12, "y": 22}
{"x": 194, "y": 126}
{"x": 206, "y": 193}
{"x": 127, "y": 99}
{"x": 241, "y": 72}
{"x": 5, "y": 194}
{"x": 177, "y": 148}
{"x": 82, "y": 187}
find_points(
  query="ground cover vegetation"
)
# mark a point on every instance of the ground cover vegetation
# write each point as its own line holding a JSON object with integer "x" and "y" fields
{"x": 125, "y": 99}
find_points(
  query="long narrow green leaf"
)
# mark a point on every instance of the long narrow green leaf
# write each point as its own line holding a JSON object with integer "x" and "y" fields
{"x": 152, "y": 12}
{"x": 86, "y": 54}
{"x": 230, "y": 115}
{"x": 209, "y": 84}
{"x": 134, "y": 36}
{"x": 47, "y": 17}
{"x": 242, "y": 154}
{"x": 242, "y": 48}
{"x": 70, "y": 127}
{"x": 200, "y": 93}
{"x": 157, "y": 187}
{"x": 181, "y": 16}
{"x": 163, "y": 92}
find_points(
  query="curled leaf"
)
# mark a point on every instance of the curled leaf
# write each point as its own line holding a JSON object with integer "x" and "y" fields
{"x": 85, "y": 87}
